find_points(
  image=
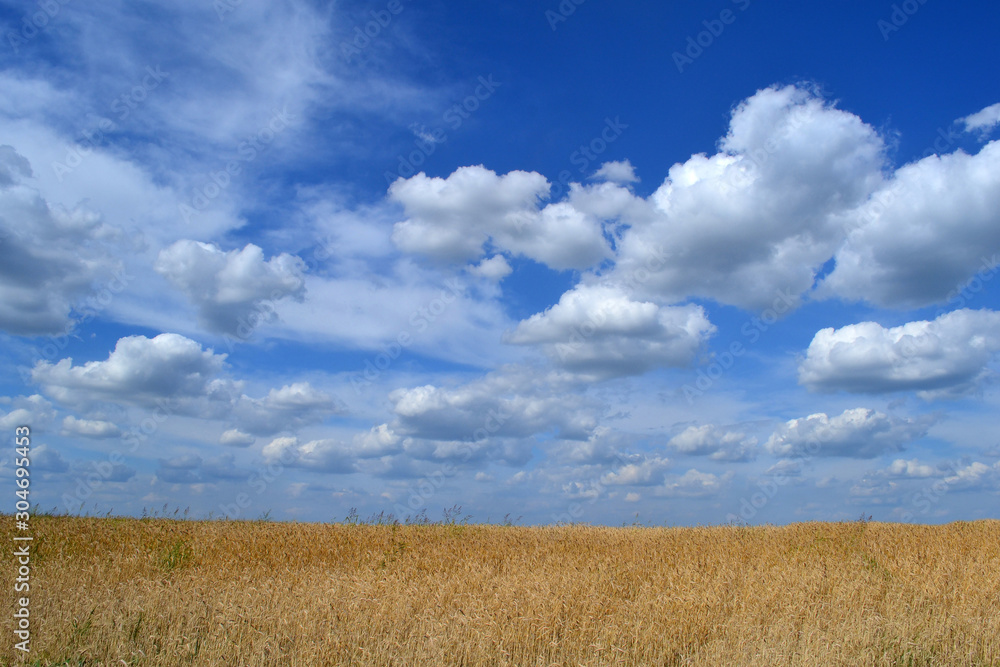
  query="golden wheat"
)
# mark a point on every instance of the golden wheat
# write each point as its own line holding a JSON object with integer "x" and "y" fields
{"x": 164, "y": 592}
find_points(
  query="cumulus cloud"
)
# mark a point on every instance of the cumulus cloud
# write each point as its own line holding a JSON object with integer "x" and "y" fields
{"x": 894, "y": 255}
{"x": 603, "y": 446}
{"x": 935, "y": 480}
{"x": 714, "y": 442}
{"x": 948, "y": 354}
{"x": 33, "y": 411}
{"x": 325, "y": 455}
{"x": 233, "y": 291}
{"x": 859, "y": 433}
{"x": 379, "y": 441}
{"x": 174, "y": 374}
{"x": 984, "y": 120}
{"x": 451, "y": 219}
{"x": 90, "y": 428}
{"x": 910, "y": 468}
{"x": 795, "y": 183}
{"x": 494, "y": 268}
{"x": 284, "y": 409}
{"x": 758, "y": 218}
{"x": 139, "y": 370}
{"x": 503, "y": 404}
{"x": 762, "y": 214}
{"x": 47, "y": 459}
{"x": 236, "y": 438}
{"x": 617, "y": 172}
{"x": 647, "y": 472}
{"x": 612, "y": 203}
{"x": 974, "y": 475}
{"x": 694, "y": 484}
{"x": 509, "y": 451}
{"x": 600, "y": 331}
{"x": 51, "y": 258}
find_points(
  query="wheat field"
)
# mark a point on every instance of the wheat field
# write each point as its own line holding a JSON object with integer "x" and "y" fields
{"x": 108, "y": 591}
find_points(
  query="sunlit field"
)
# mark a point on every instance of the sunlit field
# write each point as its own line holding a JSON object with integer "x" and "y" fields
{"x": 167, "y": 592}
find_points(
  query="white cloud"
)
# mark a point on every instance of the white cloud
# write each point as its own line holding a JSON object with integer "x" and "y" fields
{"x": 173, "y": 374}
{"x": 505, "y": 450}
{"x": 612, "y": 203}
{"x": 236, "y": 438}
{"x": 51, "y": 258}
{"x": 603, "y": 446}
{"x": 560, "y": 236}
{"x": 717, "y": 443}
{"x": 910, "y": 468}
{"x": 894, "y": 255}
{"x": 285, "y": 409}
{"x": 233, "y": 291}
{"x": 948, "y": 354}
{"x": 379, "y": 441}
{"x": 769, "y": 207}
{"x": 974, "y": 475}
{"x": 856, "y": 433}
{"x": 451, "y": 219}
{"x": 47, "y": 459}
{"x": 599, "y": 331}
{"x": 33, "y": 411}
{"x": 139, "y": 370}
{"x": 326, "y": 455}
{"x": 494, "y": 268}
{"x": 445, "y": 317}
{"x": 224, "y": 75}
{"x": 211, "y": 104}
{"x": 589, "y": 490}
{"x": 27, "y": 96}
{"x": 617, "y": 172}
{"x": 694, "y": 484}
{"x": 947, "y": 476}
{"x": 89, "y": 428}
{"x": 983, "y": 120}
{"x": 647, "y": 472}
{"x": 513, "y": 403}
{"x": 763, "y": 214}
{"x": 13, "y": 167}
{"x": 17, "y": 417}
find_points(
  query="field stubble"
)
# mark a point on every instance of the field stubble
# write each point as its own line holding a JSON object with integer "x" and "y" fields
{"x": 165, "y": 592}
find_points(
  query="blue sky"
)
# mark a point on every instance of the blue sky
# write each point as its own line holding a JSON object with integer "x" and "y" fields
{"x": 578, "y": 261}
